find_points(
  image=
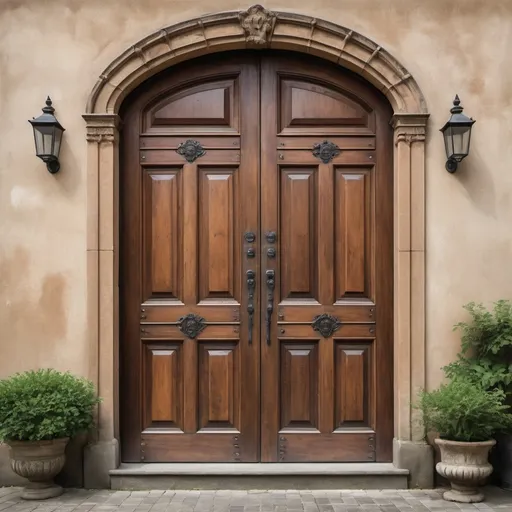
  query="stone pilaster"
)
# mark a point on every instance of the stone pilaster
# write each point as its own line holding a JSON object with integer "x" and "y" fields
{"x": 102, "y": 453}
{"x": 410, "y": 449}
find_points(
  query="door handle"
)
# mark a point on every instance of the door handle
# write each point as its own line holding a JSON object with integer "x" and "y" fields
{"x": 251, "y": 285}
{"x": 270, "y": 301}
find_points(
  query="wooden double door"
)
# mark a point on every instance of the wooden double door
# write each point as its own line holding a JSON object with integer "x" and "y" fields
{"x": 256, "y": 301}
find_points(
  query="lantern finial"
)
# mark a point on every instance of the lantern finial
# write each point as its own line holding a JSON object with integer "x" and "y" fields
{"x": 48, "y": 109}
{"x": 456, "y": 109}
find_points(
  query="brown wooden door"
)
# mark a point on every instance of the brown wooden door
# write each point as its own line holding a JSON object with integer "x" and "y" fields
{"x": 189, "y": 370}
{"x": 326, "y": 188}
{"x": 237, "y": 235}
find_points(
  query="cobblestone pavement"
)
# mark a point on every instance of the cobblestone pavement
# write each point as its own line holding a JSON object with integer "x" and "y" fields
{"x": 80, "y": 500}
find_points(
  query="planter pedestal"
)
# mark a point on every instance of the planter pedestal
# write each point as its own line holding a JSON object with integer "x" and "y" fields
{"x": 466, "y": 467}
{"x": 39, "y": 462}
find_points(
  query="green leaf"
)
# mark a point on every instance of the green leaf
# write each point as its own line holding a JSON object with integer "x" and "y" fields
{"x": 45, "y": 404}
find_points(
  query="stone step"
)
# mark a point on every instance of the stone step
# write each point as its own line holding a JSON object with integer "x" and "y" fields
{"x": 249, "y": 476}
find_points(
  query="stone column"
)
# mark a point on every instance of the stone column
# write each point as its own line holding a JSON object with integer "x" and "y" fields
{"x": 102, "y": 452}
{"x": 410, "y": 451}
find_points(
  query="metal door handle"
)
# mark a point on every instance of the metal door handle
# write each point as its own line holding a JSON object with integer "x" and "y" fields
{"x": 251, "y": 285}
{"x": 270, "y": 301}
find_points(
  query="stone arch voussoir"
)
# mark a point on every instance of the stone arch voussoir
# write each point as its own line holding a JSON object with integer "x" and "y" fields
{"x": 234, "y": 30}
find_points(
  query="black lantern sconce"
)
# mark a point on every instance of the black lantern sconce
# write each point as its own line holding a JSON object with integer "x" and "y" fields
{"x": 47, "y": 137}
{"x": 457, "y": 136}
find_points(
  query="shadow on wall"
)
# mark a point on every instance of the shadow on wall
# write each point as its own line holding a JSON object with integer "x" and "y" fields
{"x": 477, "y": 180}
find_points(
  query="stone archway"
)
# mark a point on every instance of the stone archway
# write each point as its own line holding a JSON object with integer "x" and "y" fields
{"x": 259, "y": 28}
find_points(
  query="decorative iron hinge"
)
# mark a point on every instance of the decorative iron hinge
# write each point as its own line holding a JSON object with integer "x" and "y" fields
{"x": 191, "y": 150}
{"x": 191, "y": 325}
{"x": 326, "y": 151}
{"x": 326, "y": 325}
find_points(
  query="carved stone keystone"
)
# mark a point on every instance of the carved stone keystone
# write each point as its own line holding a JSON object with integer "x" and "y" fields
{"x": 258, "y": 24}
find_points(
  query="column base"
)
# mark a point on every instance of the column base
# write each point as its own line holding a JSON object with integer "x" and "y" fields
{"x": 418, "y": 458}
{"x": 99, "y": 459}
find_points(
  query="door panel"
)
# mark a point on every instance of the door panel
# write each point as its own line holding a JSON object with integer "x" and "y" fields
{"x": 328, "y": 198}
{"x": 186, "y": 350}
{"x": 256, "y": 240}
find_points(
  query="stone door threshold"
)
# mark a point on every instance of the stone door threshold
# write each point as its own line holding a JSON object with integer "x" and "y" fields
{"x": 258, "y": 468}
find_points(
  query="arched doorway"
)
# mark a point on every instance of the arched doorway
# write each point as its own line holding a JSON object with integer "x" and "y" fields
{"x": 256, "y": 264}
{"x": 210, "y": 34}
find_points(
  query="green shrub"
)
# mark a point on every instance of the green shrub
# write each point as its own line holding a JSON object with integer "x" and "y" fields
{"x": 45, "y": 404}
{"x": 486, "y": 355}
{"x": 464, "y": 411}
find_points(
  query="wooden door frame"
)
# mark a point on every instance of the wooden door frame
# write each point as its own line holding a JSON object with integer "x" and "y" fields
{"x": 230, "y": 31}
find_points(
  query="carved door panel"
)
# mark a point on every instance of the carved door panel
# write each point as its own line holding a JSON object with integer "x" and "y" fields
{"x": 326, "y": 188}
{"x": 189, "y": 359}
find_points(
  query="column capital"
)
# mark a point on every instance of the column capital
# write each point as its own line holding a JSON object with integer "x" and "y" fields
{"x": 102, "y": 127}
{"x": 409, "y": 128}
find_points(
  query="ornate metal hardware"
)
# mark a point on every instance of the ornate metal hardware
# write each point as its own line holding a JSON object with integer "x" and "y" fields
{"x": 271, "y": 237}
{"x": 191, "y": 325}
{"x": 270, "y": 301}
{"x": 326, "y": 325}
{"x": 250, "y": 237}
{"x": 251, "y": 285}
{"x": 326, "y": 151}
{"x": 191, "y": 150}
{"x": 251, "y": 252}
{"x": 271, "y": 253}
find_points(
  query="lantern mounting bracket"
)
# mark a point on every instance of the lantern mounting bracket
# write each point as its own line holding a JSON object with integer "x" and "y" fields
{"x": 451, "y": 165}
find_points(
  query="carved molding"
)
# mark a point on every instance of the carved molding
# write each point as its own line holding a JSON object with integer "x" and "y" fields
{"x": 409, "y": 138}
{"x": 258, "y": 24}
{"x": 409, "y": 128}
{"x": 102, "y": 127}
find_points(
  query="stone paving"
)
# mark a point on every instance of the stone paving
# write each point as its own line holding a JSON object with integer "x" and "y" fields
{"x": 81, "y": 500}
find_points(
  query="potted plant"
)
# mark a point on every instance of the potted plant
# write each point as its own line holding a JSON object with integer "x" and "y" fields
{"x": 486, "y": 359}
{"x": 466, "y": 416}
{"x": 40, "y": 410}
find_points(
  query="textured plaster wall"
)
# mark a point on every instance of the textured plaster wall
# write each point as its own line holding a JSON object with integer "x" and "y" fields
{"x": 59, "y": 47}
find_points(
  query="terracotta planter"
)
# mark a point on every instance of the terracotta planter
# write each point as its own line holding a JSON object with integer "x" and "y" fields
{"x": 39, "y": 462}
{"x": 466, "y": 467}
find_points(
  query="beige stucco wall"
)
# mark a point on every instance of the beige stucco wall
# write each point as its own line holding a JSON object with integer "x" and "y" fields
{"x": 59, "y": 47}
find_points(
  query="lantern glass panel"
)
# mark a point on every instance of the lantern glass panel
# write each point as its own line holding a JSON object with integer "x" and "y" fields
{"x": 44, "y": 140}
{"x": 456, "y": 140}
{"x": 57, "y": 141}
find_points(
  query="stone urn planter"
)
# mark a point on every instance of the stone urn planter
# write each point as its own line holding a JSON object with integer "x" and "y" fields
{"x": 466, "y": 466}
{"x": 39, "y": 462}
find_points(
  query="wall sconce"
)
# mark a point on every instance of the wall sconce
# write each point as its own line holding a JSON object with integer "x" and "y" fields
{"x": 457, "y": 136}
{"x": 47, "y": 137}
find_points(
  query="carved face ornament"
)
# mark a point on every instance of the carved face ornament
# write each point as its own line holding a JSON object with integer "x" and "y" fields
{"x": 191, "y": 325}
{"x": 326, "y": 151}
{"x": 258, "y": 24}
{"x": 326, "y": 325}
{"x": 191, "y": 150}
